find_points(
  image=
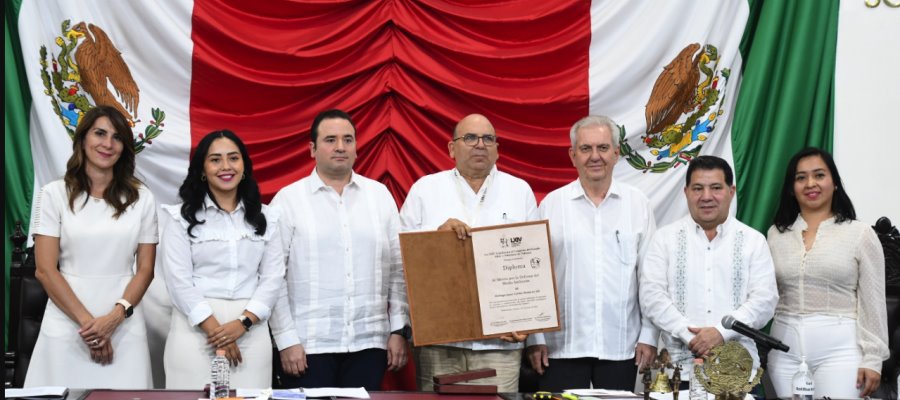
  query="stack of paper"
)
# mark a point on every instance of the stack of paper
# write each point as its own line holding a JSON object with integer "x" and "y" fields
{"x": 50, "y": 392}
{"x": 303, "y": 393}
{"x": 603, "y": 394}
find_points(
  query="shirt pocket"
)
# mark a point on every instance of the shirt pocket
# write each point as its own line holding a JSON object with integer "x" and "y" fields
{"x": 627, "y": 248}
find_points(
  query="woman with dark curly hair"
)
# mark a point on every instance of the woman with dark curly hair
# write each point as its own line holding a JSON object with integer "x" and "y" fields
{"x": 98, "y": 224}
{"x": 830, "y": 273}
{"x": 223, "y": 262}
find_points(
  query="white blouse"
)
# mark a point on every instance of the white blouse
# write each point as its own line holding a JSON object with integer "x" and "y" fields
{"x": 225, "y": 259}
{"x": 841, "y": 275}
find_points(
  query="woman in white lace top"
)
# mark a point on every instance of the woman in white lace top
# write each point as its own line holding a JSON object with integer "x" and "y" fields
{"x": 830, "y": 273}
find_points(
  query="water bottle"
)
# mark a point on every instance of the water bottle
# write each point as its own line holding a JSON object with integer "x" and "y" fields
{"x": 897, "y": 389}
{"x": 803, "y": 383}
{"x": 220, "y": 371}
{"x": 698, "y": 392}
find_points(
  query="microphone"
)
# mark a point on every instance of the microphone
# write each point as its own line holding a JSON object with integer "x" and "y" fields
{"x": 760, "y": 338}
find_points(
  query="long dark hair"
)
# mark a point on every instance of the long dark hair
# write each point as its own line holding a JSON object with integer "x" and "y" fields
{"x": 123, "y": 191}
{"x": 194, "y": 189}
{"x": 789, "y": 208}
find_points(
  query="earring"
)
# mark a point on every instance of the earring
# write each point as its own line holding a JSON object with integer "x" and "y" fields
{"x": 243, "y": 176}
{"x": 203, "y": 178}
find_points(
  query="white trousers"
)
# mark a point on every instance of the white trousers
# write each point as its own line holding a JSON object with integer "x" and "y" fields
{"x": 188, "y": 357}
{"x": 832, "y": 354}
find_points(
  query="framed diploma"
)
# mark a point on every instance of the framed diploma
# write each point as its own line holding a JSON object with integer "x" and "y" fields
{"x": 498, "y": 281}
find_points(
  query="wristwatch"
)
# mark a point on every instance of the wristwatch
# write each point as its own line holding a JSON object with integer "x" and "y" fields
{"x": 246, "y": 321}
{"x": 129, "y": 309}
{"x": 405, "y": 332}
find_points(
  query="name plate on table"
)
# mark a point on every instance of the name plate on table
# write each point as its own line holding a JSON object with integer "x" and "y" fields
{"x": 498, "y": 281}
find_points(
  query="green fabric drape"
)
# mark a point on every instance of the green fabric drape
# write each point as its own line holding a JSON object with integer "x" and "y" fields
{"x": 786, "y": 98}
{"x": 18, "y": 172}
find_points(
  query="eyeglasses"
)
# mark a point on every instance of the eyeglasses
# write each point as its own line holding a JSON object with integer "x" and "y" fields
{"x": 471, "y": 139}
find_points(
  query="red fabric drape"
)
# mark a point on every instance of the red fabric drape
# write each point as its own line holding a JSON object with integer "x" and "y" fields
{"x": 405, "y": 70}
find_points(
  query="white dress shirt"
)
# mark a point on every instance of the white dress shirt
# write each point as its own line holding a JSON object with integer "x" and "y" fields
{"x": 225, "y": 259}
{"x": 841, "y": 275}
{"x": 502, "y": 199}
{"x": 345, "y": 288}
{"x": 690, "y": 281}
{"x": 596, "y": 250}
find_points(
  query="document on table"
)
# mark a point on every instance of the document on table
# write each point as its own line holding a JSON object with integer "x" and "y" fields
{"x": 304, "y": 393}
{"x": 603, "y": 393}
{"x": 668, "y": 396}
{"x": 41, "y": 391}
{"x": 352, "y": 393}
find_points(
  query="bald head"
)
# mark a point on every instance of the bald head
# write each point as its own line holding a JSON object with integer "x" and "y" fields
{"x": 478, "y": 158}
{"x": 472, "y": 119}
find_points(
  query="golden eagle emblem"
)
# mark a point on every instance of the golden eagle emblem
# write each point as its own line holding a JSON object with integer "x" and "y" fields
{"x": 673, "y": 92}
{"x": 688, "y": 86}
{"x": 78, "y": 77}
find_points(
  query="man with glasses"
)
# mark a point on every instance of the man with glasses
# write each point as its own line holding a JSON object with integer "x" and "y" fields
{"x": 473, "y": 194}
{"x": 599, "y": 227}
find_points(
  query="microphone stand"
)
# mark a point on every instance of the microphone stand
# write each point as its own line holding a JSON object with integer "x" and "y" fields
{"x": 763, "y": 350}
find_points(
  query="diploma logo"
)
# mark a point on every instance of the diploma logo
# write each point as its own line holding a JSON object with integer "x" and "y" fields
{"x": 535, "y": 263}
{"x": 514, "y": 241}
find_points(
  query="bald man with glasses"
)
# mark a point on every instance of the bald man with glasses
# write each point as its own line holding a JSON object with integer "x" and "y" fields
{"x": 472, "y": 194}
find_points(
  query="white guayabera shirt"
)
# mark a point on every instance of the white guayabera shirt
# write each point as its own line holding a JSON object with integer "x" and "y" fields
{"x": 690, "y": 281}
{"x": 596, "y": 251}
{"x": 345, "y": 290}
{"x": 502, "y": 199}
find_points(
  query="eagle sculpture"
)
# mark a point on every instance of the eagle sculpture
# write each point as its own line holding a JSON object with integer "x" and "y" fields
{"x": 99, "y": 62}
{"x": 673, "y": 92}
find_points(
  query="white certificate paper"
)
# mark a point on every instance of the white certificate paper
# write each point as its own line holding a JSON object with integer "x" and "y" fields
{"x": 515, "y": 278}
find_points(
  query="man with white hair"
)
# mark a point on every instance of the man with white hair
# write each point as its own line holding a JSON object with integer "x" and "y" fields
{"x": 599, "y": 228}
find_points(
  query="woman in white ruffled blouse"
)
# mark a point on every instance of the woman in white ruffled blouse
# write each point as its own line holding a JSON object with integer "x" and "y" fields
{"x": 830, "y": 273}
{"x": 223, "y": 264}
